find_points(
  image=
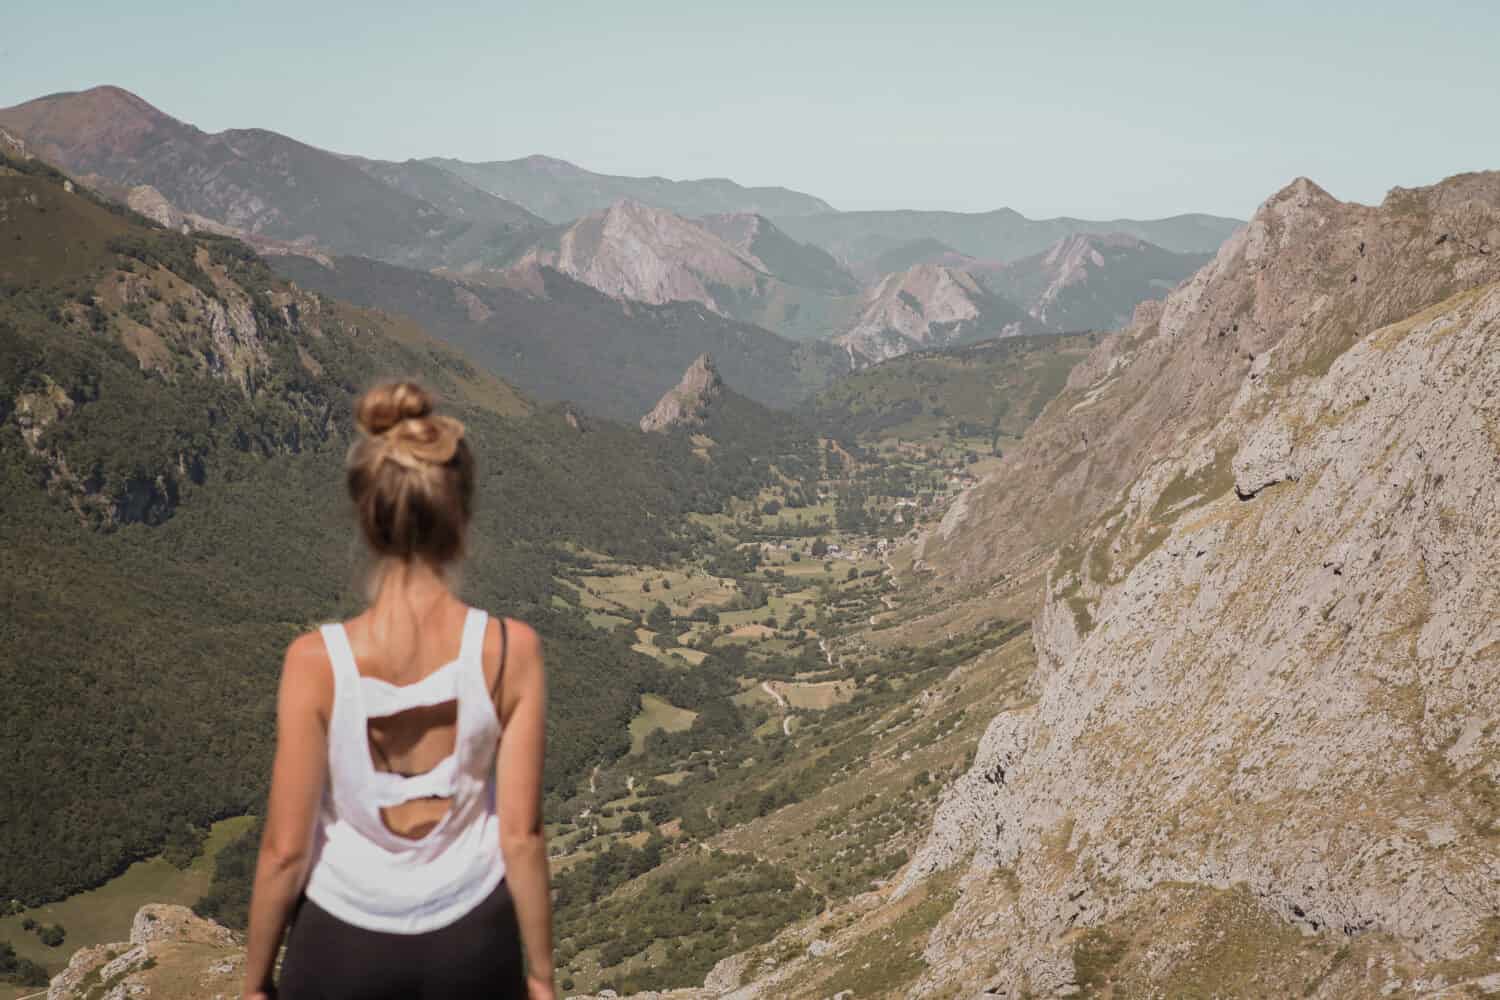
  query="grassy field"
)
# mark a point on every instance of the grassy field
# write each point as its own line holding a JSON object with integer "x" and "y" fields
{"x": 680, "y": 590}
{"x": 657, "y": 713}
{"x": 816, "y": 696}
{"x": 103, "y": 915}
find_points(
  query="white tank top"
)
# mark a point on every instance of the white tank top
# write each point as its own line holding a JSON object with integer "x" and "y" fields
{"x": 362, "y": 872}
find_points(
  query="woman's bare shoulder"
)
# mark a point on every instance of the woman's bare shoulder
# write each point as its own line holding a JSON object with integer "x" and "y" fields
{"x": 306, "y": 669}
{"x": 521, "y": 643}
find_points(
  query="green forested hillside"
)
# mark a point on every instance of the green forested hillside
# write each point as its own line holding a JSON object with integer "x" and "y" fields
{"x": 172, "y": 426}
{"x": 992, "y": 389}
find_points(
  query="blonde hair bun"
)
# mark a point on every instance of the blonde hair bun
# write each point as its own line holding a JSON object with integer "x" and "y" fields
{"x": 410, "y": 474}
{"x": 389, "y": 403}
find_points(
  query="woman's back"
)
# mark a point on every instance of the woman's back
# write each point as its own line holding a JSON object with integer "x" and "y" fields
{"x": 408, "y": 836}
{"x": 403, "y": 840}
{"x": 402, "y": 651}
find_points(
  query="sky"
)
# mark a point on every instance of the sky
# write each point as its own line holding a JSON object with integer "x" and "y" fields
{"x": 1093, "y": 108}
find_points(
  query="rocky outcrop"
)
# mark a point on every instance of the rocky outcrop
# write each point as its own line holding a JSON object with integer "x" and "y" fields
{"x": 1267, "y": 661}
{"x": 685, "y": 403}
{"x": 172, "y": 954}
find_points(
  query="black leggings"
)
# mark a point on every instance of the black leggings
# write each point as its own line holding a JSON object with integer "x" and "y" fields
{"x": 477, "y": 956}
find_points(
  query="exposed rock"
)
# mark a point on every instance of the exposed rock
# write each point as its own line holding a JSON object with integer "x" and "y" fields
{"x": 12, "y": 146}
{"x": 163, "y": 922}
{"x": 727, "y": 974}
{"x": 633, "y": 251}
{"x": 166, "y": 942}
{"x": 684, "y": 404}
{"x": 1279, "y": 700}
{"x": 39, "y": 409}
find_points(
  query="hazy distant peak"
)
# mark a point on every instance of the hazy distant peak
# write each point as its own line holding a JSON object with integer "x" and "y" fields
{"x": 561, "y": 191}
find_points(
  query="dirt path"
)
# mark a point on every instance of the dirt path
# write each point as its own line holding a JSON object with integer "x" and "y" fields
{"x": 781, "y": 703}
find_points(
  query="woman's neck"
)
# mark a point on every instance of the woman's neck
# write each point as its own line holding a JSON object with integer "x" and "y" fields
{"x": 411, "y": 587}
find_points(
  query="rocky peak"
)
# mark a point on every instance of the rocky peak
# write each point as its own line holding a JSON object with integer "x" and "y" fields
{"x": 635, "y": 251}
{"x": 80, "y": 130}
{"x": 687, "y": 401}
{"x": 928, "y": 305}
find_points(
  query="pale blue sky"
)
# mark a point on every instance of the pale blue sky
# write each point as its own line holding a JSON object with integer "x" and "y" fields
{"x": 1089, "y": 108}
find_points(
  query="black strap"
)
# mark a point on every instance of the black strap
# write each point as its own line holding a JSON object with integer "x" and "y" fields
{"x": 504, "y": 642}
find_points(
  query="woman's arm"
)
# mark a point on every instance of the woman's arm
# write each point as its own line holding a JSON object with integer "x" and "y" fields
{"x": 297, "y": 781}
{"x": 518, "y": 776}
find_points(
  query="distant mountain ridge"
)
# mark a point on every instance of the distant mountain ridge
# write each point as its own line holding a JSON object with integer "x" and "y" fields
{"x": 744, "y": 267}
{"x": 1005, "y": 235}
{"x": 560, "y": 191}
{"x": 256, "y": 182}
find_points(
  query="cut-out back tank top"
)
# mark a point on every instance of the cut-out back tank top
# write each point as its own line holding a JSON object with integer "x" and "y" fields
{"x": 363, "y": 872}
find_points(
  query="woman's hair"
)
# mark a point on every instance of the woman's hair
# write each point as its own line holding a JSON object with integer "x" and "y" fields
{"x": 410, "y": 475}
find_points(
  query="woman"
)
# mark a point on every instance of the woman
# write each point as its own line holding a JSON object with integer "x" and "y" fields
{"x": 404, "y": 836}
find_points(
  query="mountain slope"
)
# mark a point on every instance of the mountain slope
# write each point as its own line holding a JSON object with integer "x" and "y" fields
{"x": 1088, "y": 282}
{"x": 564, "y": 340}
{"x": 559, "y": 191}
{"x": 635, "y": 252}
{"x": 857, "y": 238}
{"x": 259, "y": 183}
{"x": 799, "y": 264}
{"x": 1267, "y": 648}
{"x": 991, "y": 389}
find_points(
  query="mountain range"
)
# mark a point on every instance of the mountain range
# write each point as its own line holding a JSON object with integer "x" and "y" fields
{"x": 771, "y": 257}
{"x": 559, "y": 191}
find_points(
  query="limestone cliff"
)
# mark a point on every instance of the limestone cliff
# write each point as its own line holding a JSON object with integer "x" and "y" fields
{"x": 633, "y": 251}
{"x": 1268, "y": 656}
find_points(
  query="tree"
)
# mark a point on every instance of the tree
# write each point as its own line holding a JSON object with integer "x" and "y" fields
{"x": 819, "y": 548}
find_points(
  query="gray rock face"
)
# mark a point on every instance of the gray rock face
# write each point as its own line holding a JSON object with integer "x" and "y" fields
{"x": 1271, "y": 662}
{"x": 685, "y": 402}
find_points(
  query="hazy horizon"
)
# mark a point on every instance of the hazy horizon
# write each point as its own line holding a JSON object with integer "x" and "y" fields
{"x": 1098, "y": 112}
